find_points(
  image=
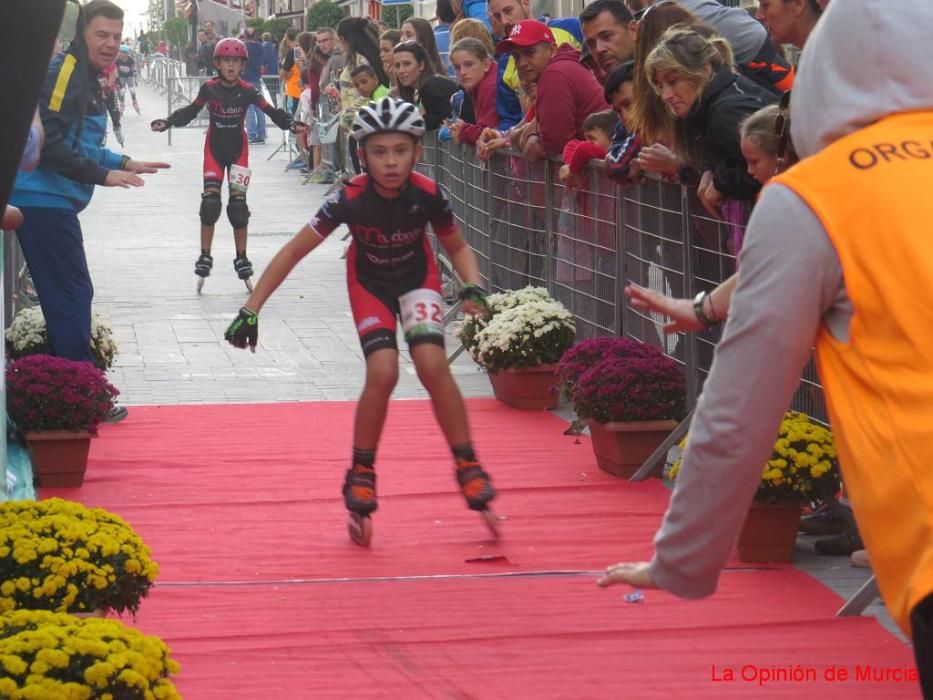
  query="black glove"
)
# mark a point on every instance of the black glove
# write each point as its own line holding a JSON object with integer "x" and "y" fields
{"x": 244, "y": 330}
{"x": 474, "y": 293}
{"x": 159, "y": 125}
{"x": 295, "y": 127}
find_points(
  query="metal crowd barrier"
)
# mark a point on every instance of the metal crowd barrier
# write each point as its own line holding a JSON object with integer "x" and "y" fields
{"x": 584, "y": 246}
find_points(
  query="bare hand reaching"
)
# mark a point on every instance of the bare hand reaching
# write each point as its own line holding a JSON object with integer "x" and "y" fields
{"x": 139, "y": 166}
{"x": 636, "y": 574}
{"x": 123, "y": 178}
{"x": 679, "y": 311}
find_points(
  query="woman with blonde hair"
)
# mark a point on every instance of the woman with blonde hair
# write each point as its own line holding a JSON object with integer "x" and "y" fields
{"x": 693, "y": 76}
{"x": 472, "y": 29}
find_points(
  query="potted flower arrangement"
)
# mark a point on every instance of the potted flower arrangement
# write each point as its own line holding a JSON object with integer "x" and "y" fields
{"x": 27, "y": 335}
{"x": 54, "y": 655}
{"x": 525, "y": 333}
{"x": 631, "y": 395}
{"x": 57, "y": 404}
{"x": 62, "y": 556}
{"x": 802, "y": 468}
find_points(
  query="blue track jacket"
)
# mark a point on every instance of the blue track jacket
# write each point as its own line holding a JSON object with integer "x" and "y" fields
{"x": 73, "y": 157}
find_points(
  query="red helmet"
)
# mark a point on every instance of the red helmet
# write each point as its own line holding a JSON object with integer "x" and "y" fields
{"x": 231, "y": 47}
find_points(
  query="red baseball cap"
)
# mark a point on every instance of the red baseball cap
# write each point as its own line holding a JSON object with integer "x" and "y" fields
{"x": 528, "y": 32}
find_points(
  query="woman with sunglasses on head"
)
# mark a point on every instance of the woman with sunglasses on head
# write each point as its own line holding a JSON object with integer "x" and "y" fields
{"x": 421, "y": 84}
{"x": 694, "y": 78}
{"x": 765, "y": 143}
{"x": 420, "y": 30}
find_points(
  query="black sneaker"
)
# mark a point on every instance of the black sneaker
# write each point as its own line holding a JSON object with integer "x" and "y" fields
{"x": 117, "y": 413}
{"x": 840, "y": 545}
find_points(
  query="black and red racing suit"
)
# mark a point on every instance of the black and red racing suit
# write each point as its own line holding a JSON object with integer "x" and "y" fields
{"x": 390, "y": 254}
{"x": 226, "y": 144}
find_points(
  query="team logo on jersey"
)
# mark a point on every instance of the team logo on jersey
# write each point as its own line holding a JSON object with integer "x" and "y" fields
{"x": 367, "y": 322}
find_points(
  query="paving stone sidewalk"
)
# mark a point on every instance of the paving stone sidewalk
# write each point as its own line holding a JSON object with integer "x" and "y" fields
{"x": 142, "y": 245}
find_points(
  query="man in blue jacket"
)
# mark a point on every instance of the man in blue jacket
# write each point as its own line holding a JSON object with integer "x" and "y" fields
{"x": 73, "y": 160}
{"x": 255, "y": 120}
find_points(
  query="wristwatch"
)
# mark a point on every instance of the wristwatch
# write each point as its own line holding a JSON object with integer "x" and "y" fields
{"x": 698, "y": 302}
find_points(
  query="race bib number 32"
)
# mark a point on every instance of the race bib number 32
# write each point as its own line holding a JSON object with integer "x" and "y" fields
{"x": 422, "y": 313}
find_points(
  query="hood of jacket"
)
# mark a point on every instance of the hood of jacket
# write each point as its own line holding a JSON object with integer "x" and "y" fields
{"x": 565, "y": 53}
{"x": 865, "y": 60}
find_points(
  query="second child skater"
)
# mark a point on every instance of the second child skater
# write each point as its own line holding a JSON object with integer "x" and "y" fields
{"x": 226, "y": 151}
{"x": 390, "y": 274}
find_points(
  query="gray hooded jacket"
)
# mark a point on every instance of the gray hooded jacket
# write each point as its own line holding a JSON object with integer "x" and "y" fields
{"x": 866, "y": 59}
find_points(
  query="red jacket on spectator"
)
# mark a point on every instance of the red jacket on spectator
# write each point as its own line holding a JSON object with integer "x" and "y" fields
{"x": 578, "y": 153}
{"x": 567, "y": 94}
{"x": 484, "y": 107}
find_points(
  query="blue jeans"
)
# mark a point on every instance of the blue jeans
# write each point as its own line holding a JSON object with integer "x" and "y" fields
{"x": 53, "y": 245}
{"x": 255, "y": 119}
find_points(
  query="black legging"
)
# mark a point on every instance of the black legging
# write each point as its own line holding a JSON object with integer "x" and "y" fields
{"x": 921, "y": 629}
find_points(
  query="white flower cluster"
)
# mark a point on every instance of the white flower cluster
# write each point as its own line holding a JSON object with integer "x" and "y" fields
{"x": 27, "y": 331}
{"x": 513, "y": 327}
{"x": 526, "y": 327}
{"x": 27, "y": 336}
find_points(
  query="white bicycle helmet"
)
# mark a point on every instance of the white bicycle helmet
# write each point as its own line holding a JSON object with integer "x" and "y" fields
{"x": 388, "y": 115}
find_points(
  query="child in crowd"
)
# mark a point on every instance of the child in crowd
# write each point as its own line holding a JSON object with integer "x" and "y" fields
{"x": 227, "y": 98}
{"x": 622, "y": 158}
{"x": 476, "y": 72}
{"x": 369, "y": 90}
{"x": 598, "y": 130}
{"x": 391, "y": 274}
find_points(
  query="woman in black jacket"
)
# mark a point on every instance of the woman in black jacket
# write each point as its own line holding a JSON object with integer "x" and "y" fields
{"x": 420, "y": 85}
{"x": 694, "y": 78}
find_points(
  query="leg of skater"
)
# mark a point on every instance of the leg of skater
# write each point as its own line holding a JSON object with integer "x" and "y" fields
{"x": 359, "y": 486}
{"x": 449, "y": 409}
{"x": 211, "y": 207}
{"x": 238, "y": 213}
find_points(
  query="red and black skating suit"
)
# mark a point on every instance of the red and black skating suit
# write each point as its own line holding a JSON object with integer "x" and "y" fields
{"x": 226, "y": 143}
{"x": 390, "y": 255}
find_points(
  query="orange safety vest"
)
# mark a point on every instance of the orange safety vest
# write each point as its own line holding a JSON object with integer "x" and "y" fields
{"x": 293, "y": 82}
{"x": 870, "y": 191}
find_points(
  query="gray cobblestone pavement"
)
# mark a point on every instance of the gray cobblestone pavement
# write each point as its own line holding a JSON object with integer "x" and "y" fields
{"x": 142, "y": 245}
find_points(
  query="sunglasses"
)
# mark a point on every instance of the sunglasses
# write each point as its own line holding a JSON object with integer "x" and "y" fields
{"x": 782, "y": 125}
{"x": 640, "y": 15}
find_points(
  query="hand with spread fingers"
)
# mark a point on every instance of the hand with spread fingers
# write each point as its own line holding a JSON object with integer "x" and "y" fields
{"x": 635, "y": 574}
{"x": 244, "y": 330}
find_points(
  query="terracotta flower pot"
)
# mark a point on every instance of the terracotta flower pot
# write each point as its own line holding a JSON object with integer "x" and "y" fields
{"x": 59, "y": 457}
{"x": 769, "y": 532}
{"x": 622, "y": 447}
{"x": 531, "y": 388}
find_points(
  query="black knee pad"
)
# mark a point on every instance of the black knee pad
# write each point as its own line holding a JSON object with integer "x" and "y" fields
{"x": 238, "y": 212}
{"x": 210, "y": 208}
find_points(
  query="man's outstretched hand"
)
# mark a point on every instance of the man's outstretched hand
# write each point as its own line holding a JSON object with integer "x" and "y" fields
{"x": 149, "y": 168}
{"x": 635, "y": 574}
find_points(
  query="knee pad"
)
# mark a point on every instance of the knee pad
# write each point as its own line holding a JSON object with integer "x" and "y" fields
{"x": 210, "y": 208}
{"x": 238, "y": 212}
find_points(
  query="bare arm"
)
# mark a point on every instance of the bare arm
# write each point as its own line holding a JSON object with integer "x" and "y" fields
{"x": 462, "y": 257}
{"x": 306, "y": 240}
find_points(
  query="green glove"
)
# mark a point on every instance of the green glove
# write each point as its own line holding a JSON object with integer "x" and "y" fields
{"x": 244, "y": 330}
{"x": 474, "y": 293}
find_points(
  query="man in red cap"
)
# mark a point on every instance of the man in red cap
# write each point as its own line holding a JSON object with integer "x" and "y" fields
{"x": 567, "y": 93}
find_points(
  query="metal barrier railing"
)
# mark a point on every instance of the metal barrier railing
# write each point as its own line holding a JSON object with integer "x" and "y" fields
{"x": 585, "y": 245}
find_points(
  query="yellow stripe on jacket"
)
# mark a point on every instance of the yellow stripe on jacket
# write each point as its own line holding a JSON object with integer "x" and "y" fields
{"x": 61, "y": 84}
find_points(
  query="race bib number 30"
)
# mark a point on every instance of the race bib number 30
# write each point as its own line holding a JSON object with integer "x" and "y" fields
{"x": 422, "y": 313}
{"x": 239, "y": 178}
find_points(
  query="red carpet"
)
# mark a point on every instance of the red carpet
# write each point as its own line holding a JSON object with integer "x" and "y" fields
{"x": 261, "y": 594}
